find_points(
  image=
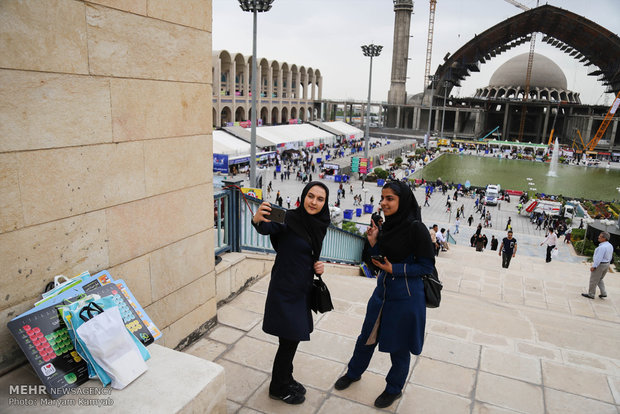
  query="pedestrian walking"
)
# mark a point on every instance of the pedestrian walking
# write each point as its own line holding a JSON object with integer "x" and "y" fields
{"x": 457, "y": 223}
{"x": 603, "y": 255}
{"x": 297, "y": 243}
{"x": 550, "y": 241}
{"x": 508, "y": 249}
{"x": 508, "y": 223}
{"x": 470, "y": 220}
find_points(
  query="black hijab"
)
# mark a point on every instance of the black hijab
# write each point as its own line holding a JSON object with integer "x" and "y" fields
{"x": 403, "y": 232}
{"x": 310, "y": 227}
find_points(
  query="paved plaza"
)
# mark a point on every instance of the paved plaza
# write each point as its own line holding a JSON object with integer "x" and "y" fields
{"x": 517, "y": 340}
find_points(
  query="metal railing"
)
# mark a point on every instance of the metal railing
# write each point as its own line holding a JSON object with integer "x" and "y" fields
{"x": 222, "y": 221}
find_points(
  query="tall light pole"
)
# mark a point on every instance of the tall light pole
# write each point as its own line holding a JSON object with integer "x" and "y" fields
{"x": 431, "y": 79}
{"x": 445, "y": 95}
{"x": 254, "y": 6}
{"x": 369, "y": 51}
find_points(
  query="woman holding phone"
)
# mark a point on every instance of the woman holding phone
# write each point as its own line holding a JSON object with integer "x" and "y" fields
{"x": 396, "y": 313}
{"x": 297, "y": 242}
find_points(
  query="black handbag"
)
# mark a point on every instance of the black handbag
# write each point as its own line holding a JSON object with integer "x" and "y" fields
{"x": 320, "y": 299}
{"x": 432, "y": 289}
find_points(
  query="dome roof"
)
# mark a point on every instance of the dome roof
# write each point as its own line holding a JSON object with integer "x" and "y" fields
{"x": 545, "y": 73}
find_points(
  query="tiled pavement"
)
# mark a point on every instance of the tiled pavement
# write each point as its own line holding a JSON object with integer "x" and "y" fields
{"x": 503, "y": 341}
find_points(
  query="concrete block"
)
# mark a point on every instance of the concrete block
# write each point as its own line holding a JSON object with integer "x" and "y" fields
{"x": 192, "y": 13}
{"x": 195, "y": 323}
{"x": 63, "y": 182}
{"x": 189, "y": 384}
{"x": 32, "y": 256}
{"x": 12, "y": 355}
{"x": 145, "y": 225}
{"x": 144, "y": 109}
{"x": 179, "y": 264}
{"x": 132, "y": 6}
{"x": 222, "y": 284}
{"x": 126, "y": 45}
{"x": 11, "y": 214}
{"x": 173, "y": 307}
{"x": 32, "y": 36}
{"x": 43, "y": 110}
{"x": 171, "y": 164}
{"x": 137, "y": 274}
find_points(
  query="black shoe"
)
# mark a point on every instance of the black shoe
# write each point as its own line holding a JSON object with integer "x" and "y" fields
{"x": 602, "y": 296}
{"x": 298, "y": 388}
{"x": 344, "y": 382}
{"x": 289, "y": 397}
{"x": 586, "y": 295}
{"x": 386, "y": 399}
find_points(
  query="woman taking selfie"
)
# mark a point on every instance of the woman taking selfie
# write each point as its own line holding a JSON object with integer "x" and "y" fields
{"x": 297, "y": 242}
{"x": 396, "y": 312}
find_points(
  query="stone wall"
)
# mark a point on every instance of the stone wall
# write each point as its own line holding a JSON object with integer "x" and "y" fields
{"x": 106, "y": 155}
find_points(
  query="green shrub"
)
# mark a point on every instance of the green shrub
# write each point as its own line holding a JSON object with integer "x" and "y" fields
{"x": 381, "y": 173}
{"x": 350, "y": 227}
{"x": 587, "y": 246}
{"x": 578, "y": 234}
{"x": 420, "y": 150}
{"x": 398, "y": 161}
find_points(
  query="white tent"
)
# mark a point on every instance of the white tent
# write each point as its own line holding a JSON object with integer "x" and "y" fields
{"x": 347, "y": 130}
{"x": 225, "y": 143}
{"x": 295, "y": 136}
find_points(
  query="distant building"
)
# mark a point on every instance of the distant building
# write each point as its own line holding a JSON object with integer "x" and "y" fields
{"x": 286, "y": 91}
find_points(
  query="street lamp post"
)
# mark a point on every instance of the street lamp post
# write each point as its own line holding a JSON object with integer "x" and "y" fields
{"x": 431, "y": 78}
{"x": 445, "y": 95}
{"x": 254, "y": 6}
{"x": 370, "y": 51}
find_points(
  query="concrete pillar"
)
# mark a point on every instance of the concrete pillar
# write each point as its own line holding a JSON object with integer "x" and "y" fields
{"x": 397, "y": 125}
{"x": 589, "y": 129}
{"x": 289, "y": 81}
{"x": 320, "y": 88}
{"x": 457, "y": 125}
{"x": 313, "y": 87}
{"x": 400, "y": 55}
{"x": 478, "y": 124}
{"x": 232, "y": 86}
{"x": 247, "y": 69}
{"x": 546, "y": 123}
{"x": 414, "y": 122}
{"x": 505, "y": 127}
{"x": 437, "y": 125}
{"x": 270, "y": 85}
{"x": 612, "y": 139}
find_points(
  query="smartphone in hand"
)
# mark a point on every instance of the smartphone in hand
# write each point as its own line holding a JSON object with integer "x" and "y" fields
{"x": 276, "y": 215}
{"x": 379, "y": 258}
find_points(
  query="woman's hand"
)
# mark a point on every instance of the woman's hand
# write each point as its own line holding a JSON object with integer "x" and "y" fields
{"x": 319, "y": 268}
{"x": 263, "y": 210}
{"x": 386, "y": 265}
{"x": 372, "y": 233}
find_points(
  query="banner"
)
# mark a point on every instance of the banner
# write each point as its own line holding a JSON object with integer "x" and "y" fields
{"x": 253, "y": 192}
{"x": 220, "y": 163}
{"x": 355, "y": 164}
{"x": 363, "y": 166}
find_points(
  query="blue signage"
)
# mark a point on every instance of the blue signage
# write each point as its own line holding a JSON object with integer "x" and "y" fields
{"x": 220, "y": 163}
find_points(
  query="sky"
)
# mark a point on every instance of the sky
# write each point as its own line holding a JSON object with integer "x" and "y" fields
{"x": 327, "y": 35}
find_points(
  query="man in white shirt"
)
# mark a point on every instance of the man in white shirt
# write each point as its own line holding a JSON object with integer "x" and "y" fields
{"x": 441, "y": 238}
{"x": 550, "y": 241}
{"x": 600, "y": 264}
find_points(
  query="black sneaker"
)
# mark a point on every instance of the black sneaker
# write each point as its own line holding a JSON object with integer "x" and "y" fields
{"x": 386, "y": 399}
{"x": 602, "y": 296}
{"x": 298, "y": 388}
{"x": 344, "y": 382}
{"x": 289, "y": 397}
{"x": 587, "y": 295}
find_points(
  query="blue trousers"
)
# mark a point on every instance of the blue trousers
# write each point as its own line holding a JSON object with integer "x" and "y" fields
{"x": 396, "y": 377}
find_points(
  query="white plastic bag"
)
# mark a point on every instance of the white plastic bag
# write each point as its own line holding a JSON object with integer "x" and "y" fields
{"x": 554, "y": 253}
{"x": 112, "y": 347}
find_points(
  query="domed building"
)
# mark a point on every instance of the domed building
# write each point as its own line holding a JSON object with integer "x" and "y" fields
{"x": 547, "y": 81}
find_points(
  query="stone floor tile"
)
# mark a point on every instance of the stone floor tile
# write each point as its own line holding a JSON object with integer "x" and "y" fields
{"x": 258, "y": 333}
{"x": 510, "y": 365}
{"x": 237, "y": 317}
{"x": 357, "y": 310}
{"x": 232, "y": 407}
{"x": 449, "y": 350}
{"x": 417, "y": 399}
{"x": 225, "y": 334}
{"x": 559, "y": 402}
{"x": 341, "y": 323}
{"x": 251, "y": 301}
{"x": 328, "y": 345}
{"x": 261, "y": 286}
{"x": 539, "y": 351}
{"x": 316, "y": 372}
{"x": 445, "y": 329}
{"x": 246, "y": 410}
{"x": 535, "y": 304}
{"x": 509, "y": 393}
{"x": 241, "y": 381}
{"x": 335, "y": 404}
{"x": 261, "y": 402}
{"x": 206, "y": 349}
{"x": 443, "y": 376}
{"x": 588, "y": 361}
{"x": 252, "y": 353}
{"x": 492, "y": 340}
{"x": 483, "y": 408}
{"x": 364, "y": 391}
{"x": 576, "y": 380}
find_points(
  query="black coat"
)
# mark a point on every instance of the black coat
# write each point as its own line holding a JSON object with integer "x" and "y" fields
{"x": 287, "y": 313}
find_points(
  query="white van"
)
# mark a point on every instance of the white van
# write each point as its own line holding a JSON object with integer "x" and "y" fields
{"x": 492, "y": 194}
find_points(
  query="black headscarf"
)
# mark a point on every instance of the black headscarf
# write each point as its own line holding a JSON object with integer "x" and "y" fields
{"x": 310, "y": 227}
{"x": 403, "y": 232}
